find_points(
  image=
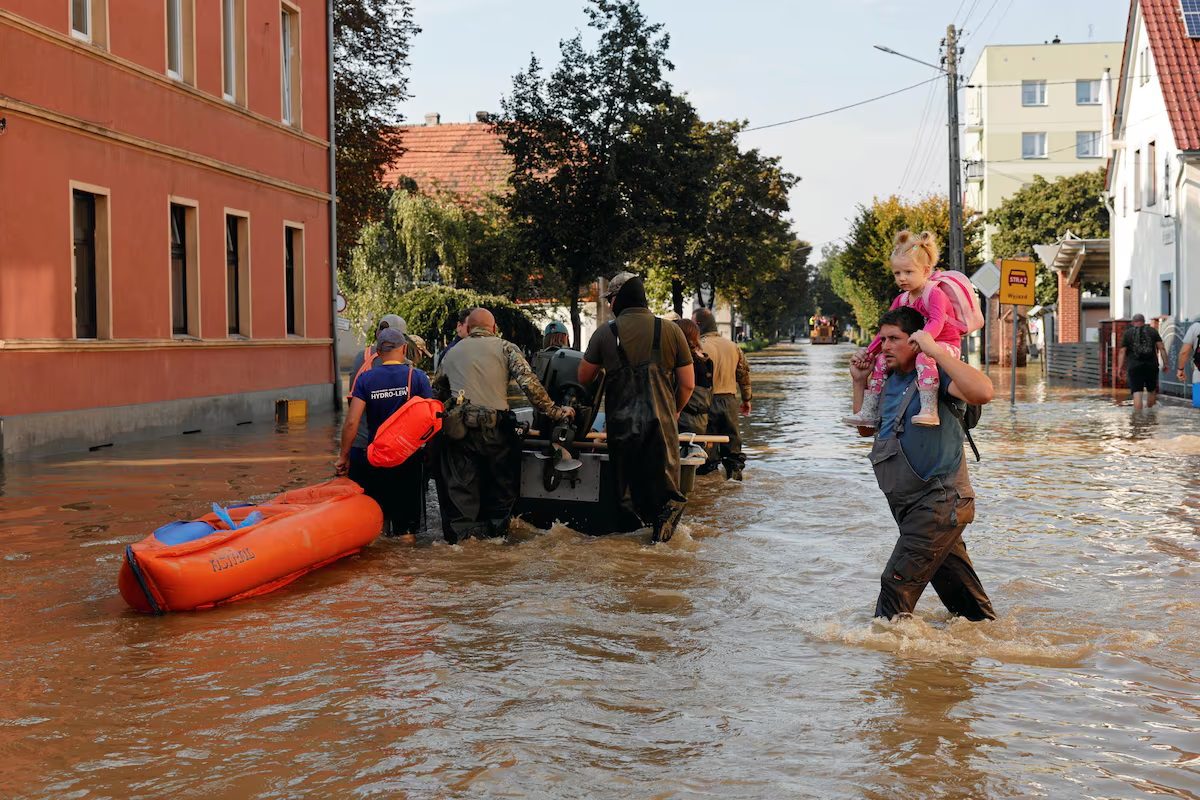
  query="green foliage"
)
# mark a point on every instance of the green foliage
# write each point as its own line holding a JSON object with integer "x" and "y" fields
{"x": 862, "y": 275}
{"x": 432, "y": 311}
{"x": 754, "y": 345}
{"x": 776, "y": 304}
{"x": 370, "y": 51}
{"x": 1042, "y": 213}
{"x": 580, "y": 174}
{"x": 822, "y": 297}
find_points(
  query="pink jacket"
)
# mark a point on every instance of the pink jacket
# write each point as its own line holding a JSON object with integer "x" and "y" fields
{"x": 934, "y": 306}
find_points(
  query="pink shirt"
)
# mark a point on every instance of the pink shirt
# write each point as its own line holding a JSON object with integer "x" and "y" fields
{"x": 934, "y": 306}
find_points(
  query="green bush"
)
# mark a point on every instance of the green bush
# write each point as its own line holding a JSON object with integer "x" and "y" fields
{"x": 753, "y": 345}
{"x": 432, "y": 311}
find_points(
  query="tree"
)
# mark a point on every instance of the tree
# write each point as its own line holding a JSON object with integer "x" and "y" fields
{"x": 578, "y": 170}
{"x": 777, "y": 305}
{"x": 823, "y": 298}
{"x": 862, "y": 275}
{"x": 1042, "y": 213}
{"x": 432, "y": 313}
{"x": 370, "y": 75}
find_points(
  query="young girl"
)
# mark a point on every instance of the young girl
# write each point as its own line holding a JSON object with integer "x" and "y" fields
{"x": 913, "y": 259}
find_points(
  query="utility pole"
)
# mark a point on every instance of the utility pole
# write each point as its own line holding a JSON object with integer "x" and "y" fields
{"x": 955, "y": 190}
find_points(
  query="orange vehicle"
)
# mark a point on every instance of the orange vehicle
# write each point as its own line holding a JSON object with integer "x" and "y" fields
{"x": 248, "y": 550}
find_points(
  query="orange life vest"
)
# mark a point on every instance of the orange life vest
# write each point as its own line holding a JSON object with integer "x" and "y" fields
{"x": 406, "y": 431}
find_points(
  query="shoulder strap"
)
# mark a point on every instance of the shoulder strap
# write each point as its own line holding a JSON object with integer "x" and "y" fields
{"x": 909, "y": 394}
{"x": 612, "y": 325}
{"x": 656, "y": 348}
{"x": 368, "y": 357}
{"x": 408, "y": 389}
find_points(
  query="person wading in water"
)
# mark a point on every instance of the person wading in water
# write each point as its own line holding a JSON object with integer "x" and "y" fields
{"x": 648, "y": 381}
{"x": 922, "y": 472}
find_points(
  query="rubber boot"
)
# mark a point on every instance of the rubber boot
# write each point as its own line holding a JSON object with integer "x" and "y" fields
{"x": 929, "y": 409}
{"x": 868, "y": 415}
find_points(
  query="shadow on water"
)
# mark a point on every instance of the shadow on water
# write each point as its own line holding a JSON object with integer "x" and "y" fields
{"x": 740, "y": 660}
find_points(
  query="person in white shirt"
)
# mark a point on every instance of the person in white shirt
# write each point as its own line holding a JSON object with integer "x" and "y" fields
{"x": 1189, "y": 346}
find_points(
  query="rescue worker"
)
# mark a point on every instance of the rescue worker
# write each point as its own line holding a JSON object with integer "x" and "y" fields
{"x": 362, "y": 362}
{"x": 460, "y": 333}
{"x": 731, "y": 374}
{"x": 480, "y": 456}
{"x": 923, "y": 474}
{"x": 379, "y": 393}
{"x": 648, "y": 381}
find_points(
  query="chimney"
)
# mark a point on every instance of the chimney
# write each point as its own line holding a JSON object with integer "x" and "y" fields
{"x": 433, "y": 118}
{"x": 482, "y": 116}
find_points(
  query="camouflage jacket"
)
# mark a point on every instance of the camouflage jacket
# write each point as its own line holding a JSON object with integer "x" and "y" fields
{"x": 519, "y": 372}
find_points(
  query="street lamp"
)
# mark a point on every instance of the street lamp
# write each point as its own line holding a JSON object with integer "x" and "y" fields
{"x": 955, "y": 187}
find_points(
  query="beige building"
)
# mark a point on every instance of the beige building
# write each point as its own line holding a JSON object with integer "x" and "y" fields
{"x": 1032, "y": 110}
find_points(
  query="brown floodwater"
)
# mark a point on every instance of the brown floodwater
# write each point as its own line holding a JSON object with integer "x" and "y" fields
{"x": 740, "y": 660}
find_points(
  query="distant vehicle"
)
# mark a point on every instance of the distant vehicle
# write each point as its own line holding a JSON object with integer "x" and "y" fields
{"x": 824, "y": 334}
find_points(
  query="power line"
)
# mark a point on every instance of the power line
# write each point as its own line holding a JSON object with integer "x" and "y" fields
{"x": 918, "y": 139}
{"x": 841, "y": 108}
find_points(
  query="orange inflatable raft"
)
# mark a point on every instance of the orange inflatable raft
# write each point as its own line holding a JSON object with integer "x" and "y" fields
{"x": 187, "y": 566}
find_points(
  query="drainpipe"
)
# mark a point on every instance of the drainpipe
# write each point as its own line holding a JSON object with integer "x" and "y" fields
{"x": 333, "y": 332}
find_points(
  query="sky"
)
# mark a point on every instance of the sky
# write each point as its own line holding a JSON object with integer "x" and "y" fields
{"x": 766, "y": 61}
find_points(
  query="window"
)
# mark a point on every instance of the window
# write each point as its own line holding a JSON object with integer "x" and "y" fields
{"x": 237, "y": 274}
{"x": 1087, "y": 144}
{"x": 1033, "y": 145}
{"x": 1087, "y": 93}
{"x": 90, "y": 262}
{"x": 1033, "y": 93}
{"x": 81, "y": 19}
{"x": 289, "y": 41}
{"x": 185, "y": 289}
{"x": 180, "y": 40}
{"x": 1144, "y": 66}
{"x": 89, "y": 20}
{"x": 293, "y": 279}
{"x": 1151, "y": 175}
{"x": 233, "y": 50}
{"x": 1137, "y": 180}
{"x": 84, "y": 224}
{"x": 1164, "y": 296}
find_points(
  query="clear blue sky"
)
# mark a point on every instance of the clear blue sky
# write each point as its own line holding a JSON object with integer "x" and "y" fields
{"x": 767, "y": 61}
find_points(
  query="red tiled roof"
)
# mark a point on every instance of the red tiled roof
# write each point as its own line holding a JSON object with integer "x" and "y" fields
{"x": 464, "y": 159}
{"x": 1177, "y": 62}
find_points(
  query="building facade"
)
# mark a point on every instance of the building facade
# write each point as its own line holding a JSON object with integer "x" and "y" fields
{"x": 1154, "y": 171}
{"x": 1032, "y": 110}
{"x": 165, "y": 225}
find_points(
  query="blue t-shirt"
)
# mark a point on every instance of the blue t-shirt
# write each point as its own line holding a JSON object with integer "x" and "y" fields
{"x": 384, "y": 388}
{"x": 932, "y": 452}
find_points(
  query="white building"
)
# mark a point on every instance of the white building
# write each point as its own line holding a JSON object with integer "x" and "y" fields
{"x": 1154, "y": 167}
{"x": 1032, "y": 109}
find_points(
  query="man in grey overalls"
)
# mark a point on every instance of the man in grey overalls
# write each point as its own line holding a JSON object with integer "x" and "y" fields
{"x": 923, "y": 474}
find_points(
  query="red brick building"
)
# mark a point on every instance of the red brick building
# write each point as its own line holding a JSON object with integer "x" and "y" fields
{"x": 164, "y": 225}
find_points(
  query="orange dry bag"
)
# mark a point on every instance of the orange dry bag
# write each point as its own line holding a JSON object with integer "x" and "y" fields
{"x": 406, "y": 431}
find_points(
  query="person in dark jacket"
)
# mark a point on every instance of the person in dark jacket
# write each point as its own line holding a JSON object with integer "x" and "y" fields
{"x": 694, "y": 417}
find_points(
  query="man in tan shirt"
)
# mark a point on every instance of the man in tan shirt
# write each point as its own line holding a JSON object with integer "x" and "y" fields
{"x": 731, "y": 376}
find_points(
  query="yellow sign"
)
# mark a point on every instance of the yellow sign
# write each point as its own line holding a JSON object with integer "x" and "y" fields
{"x": 1017, "y": 282}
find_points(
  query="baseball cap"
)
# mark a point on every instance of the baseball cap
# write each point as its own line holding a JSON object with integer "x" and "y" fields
{"x": 555, "y": 327}
{"x": 615, "y": 283}
{"x": 394, "y": 322}
{"x": 389, "y": 339}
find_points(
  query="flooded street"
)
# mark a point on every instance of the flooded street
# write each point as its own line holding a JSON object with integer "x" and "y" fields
{"x": 740, "y": 660}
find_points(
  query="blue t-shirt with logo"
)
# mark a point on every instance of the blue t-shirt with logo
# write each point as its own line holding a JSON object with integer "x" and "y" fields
{"x": 931, "y": 452}
{"x": 384, "y": 388}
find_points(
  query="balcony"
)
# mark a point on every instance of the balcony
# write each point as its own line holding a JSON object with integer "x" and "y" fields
{"x": 975, "y": 170}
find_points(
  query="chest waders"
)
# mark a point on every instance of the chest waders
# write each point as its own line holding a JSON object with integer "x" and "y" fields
{"x": 643, "y": 442}
{"x": 931, "y": 514}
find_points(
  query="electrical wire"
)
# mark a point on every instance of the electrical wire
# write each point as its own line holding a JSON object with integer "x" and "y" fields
{"x": 912, "y": 155}
{"x": 840, "y": 108}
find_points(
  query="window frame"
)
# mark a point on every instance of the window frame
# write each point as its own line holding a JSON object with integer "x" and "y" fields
{"x": 290, "y": 56}
{"x": 1095, "y": 137}
{"x": 186, "y": 31}
{"x": 89, "y": 12}
{"x": 1151, "y": 174}
{"x": 1137, "y": 180}
{"x": 233, "y": 46}
{"x": 1092, "y": 82}
{"x": 1044, "y": 149}
{"x": 244, "y": 306}
{"x": 294, "y": 290}
{"x": 1041, "y": 83}
{"x": 101, "y": 258}
{"x": 191, "y": 267}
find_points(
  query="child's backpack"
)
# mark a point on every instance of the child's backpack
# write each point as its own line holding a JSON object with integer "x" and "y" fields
{"x": 958, "y": 288}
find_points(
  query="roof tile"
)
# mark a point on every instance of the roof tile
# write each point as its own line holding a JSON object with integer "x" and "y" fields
{"x": 1177, "y": 59}
{"x": 467, "y": 159}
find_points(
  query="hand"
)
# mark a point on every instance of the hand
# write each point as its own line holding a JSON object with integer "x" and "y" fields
{"x": 341, "y": 466}
{"x": 922, "y": 340}
{"x": 859, "y": 373}
{"x": 861, "y": 359}
{"x": 746, "y": 409}
{"x": 1179, "y": 373}
{"x": 568, "y": 412}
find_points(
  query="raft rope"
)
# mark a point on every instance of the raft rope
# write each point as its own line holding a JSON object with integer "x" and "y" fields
{"x": 141, "y": 579}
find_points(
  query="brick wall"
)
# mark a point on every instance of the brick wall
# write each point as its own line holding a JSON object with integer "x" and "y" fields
{"x": 1068, "y": 310}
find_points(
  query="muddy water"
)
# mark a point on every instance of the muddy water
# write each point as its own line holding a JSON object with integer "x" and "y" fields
{"x": 739, "y": 661}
